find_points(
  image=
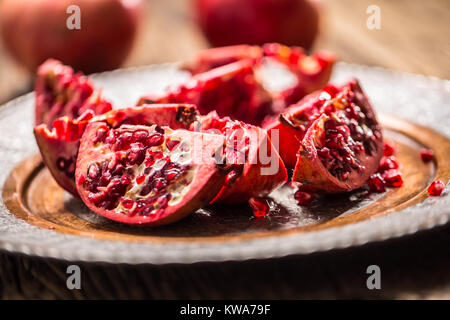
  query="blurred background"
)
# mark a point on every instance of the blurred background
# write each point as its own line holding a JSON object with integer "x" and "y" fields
{"x": 414, "y": 35}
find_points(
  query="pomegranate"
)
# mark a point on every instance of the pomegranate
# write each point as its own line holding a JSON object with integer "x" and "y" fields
{"x": 427, "y": 155}
{"x": 35, "y": 30}
{"x": 263, "y": 170}
{"x": 259, "y": 206}
{"x": 304, "y": 198}
{"x": 227, "y": 22}
{"x": 137, "y": 174}
{"x": 342, "y": 148}
{"x": 59, "y": 145}
{"x": 61, "y": 92}
{"x": 436, "y": 188}
{"x": 231, "y": 90}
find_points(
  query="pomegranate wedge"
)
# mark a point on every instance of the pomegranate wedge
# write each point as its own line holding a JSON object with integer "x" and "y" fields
{"x": 61, "y": 92}
{"x": 343, "y": 147}
{"x": 148, "y": 175}
{"x": 59, "y": 146}
{"x": 263, "y": 169}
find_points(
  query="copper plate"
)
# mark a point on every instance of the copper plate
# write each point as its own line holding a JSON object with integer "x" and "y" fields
{"x": 37, "y": 217}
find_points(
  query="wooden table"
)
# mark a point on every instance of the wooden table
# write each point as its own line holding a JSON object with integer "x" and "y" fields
{"x": 414, "y": 37}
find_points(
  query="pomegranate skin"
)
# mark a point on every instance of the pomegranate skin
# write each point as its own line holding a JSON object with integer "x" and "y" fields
{"x": 228, "y": 22}
{"x": 35, "y": 30}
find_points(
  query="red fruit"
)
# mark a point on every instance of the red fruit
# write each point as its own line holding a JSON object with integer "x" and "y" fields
{"x": 34, "y": 31}
{"x": 436, "y": 188}
{"x": 263, "y": 169}
{"x": 231, "y": 90}
{"x": 387, "y": 163}
{"x": 389, "y": 149}
{"x": 393, "y": 178}
{"x": 259, "y": 206}
{"x": 426, "y": 155}
{"x": 343, "y": 147}
{"x": 59, "y": 146}
{"x": 376, "y": 183}
{"x": 312, "y": 72}
{"x": 303, "y": 198}
{"x": 113, "y": 192}
{"x": 61, "y": 92}
{"x": 227, "y": 22}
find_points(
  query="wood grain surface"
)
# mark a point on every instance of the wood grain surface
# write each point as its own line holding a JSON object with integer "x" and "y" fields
{"x": 414, "y": 37}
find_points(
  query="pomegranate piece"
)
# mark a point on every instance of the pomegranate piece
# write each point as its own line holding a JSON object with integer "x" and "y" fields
{"x": 343, "y": 147}
{"x": 208, "y": 59}
{"x": 388, "y": 149}
{"x": 230, "y": 90}
{"x": 303, "y": 198}
{"x": 263, "y": 170}
{"x": 393, "y": 178}
{"x": 376, "y": 183}
{"x": 259, "y": 207}
{"x": 61, "y": 92}
{"x": 436, "y": 188}
{"x": 136, "y": 179}
{"x": 426, "y": 155}
{"x": 387, "y": 163}
{"x": 59, "y": 146}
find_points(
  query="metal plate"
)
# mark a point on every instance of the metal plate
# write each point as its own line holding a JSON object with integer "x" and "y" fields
{"x": 37, "y": 218}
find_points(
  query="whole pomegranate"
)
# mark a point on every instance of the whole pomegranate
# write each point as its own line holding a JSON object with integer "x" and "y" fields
{"x": 227, "y": 22}
{"x": 35, "y": 30}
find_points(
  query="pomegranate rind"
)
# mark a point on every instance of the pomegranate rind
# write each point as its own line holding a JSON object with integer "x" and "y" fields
{"x": 207, "y": 180}
{"x": 309, "y": 170}
{"x": 231, "y": 90}
{"x": 256, "y": 179}
{"x": 61, "y": 92}
{"x": 55, "y": 144}
{"x": 208, "y": 59}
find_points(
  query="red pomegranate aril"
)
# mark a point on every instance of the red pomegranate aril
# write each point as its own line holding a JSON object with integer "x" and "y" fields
{"x": 387, "y": 163}
{"x": 93, "y": 171}
{"x": 171, "y": 144}
{"x": 101, "y": 135}
{"x": 303, "y": 198}
{"x": 388, "y": 149}
{"x": 155, "y": 139}
{"x": 393, "y": 178}
{"x": 125, "y": 180}
{"x": 127, "y": 203}
{"x": 140, "y": 135}
{"x": 426, "y": 155}
{"x": 436, "y": 188}
{"x": 376, "y": 183}
{"x": 259, "y": 206}
{"x": 172, "y": 174}
{"x": 140, "y": 179}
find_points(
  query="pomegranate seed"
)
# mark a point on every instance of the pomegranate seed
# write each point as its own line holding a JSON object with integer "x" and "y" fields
{"x": 155, "y": 139}
{"x": 259, "y": 206}
{"x": 231, "y": 178}
{"x": 171, "y": 144}
{"x": 376, "y": 183}
{"x": 140, "y": 135}
{"x": 303, "y": 198}
{"x": 162, "y": 202}
{"x": 126, "y": 180}
{"x": 140, "y": 179}
{"x": 427, "y": 155}
{"x": 127, "y": 203}
{"x": 93, "y": 171}
{"x": 81, "y": 179}
{"x": 170, "y": 175}
{"x": 387, "y": 163}
{"x": 389, "y": 149}
{"x": 393, "y": 178}
{"x": 436, "y": 188}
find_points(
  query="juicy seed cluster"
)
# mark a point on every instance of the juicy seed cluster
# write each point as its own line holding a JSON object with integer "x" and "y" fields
{"x": 436, "y": 188}
{"x": 388, "y": 174}
{"x": 141, "y": 174}
{"x": 348, "y": 134}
